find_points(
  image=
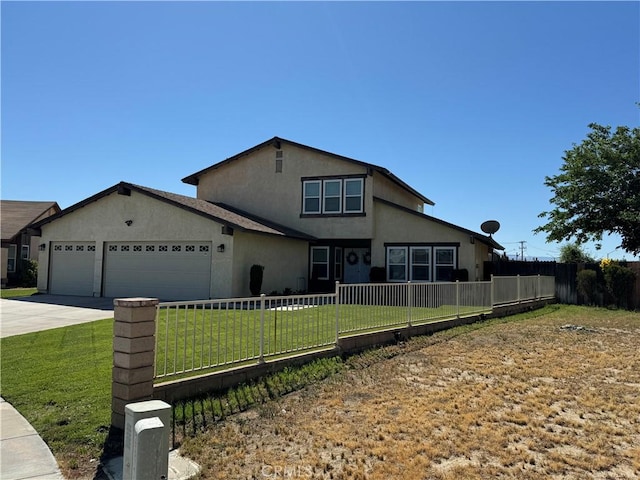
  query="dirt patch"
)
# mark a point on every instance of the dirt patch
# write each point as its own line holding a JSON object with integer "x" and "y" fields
{"x": 524, "y": 400}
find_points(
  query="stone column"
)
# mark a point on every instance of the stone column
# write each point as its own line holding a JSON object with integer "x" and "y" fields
{"x": 133, "y": 354}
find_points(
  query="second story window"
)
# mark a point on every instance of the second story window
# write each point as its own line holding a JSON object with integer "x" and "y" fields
{"x": 311, "y": 192}
{"x": 333, "y": 196}
{"x": 353, "y": 188}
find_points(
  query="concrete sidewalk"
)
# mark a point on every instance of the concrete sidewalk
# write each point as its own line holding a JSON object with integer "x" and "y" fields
{"x": 23, "y": 454}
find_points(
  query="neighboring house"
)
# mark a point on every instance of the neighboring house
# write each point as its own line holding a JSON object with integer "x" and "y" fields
{"x": 310, "y": 217}
{"x": 18, "y": 243}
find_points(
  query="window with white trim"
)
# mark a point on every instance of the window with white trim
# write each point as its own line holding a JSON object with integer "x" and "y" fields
{"x": 24, "y": 252}
{"x": 353, "y": 195}
{"x": 338, "y": 263}
{"x": 333, "y": 196}
{"x": 444, "y": 263}
{"x": 311, "y": 193}
{"x": 397, "y": 264}
{"x": 420, "y": 264}
{"x": 320, "y": 263}
{"x": 11, "y": 259}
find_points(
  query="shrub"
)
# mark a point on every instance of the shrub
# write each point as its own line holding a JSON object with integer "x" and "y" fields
{"x": 255, "y": 279}
{"x": 29, "y": 273}
{"x": 377, "y": 274}
{"x": 587, "y": 285}
{"x": 619, "y": 282}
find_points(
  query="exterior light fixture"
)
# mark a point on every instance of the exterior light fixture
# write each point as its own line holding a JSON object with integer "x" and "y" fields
{"x": 128, "y": 222}
{"x": 220, "y": 248}
{"x": 42, "y": 247}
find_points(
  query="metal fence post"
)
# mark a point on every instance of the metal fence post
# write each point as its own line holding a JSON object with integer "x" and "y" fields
{"x": 457, "y": 298}
{"x": 261, "y": 358}
{"x": 409, "y": 300}
{"x": 337, "y": 312}
{"x": 493, "y": 297}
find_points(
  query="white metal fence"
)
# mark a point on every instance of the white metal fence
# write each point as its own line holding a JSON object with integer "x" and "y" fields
{"x": 195, "y": 336}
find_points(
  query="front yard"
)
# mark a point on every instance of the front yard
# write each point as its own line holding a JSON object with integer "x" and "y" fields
{"x": 522, "y": 398}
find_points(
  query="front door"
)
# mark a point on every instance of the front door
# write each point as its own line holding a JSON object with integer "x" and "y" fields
{"x": 357, "y": 264}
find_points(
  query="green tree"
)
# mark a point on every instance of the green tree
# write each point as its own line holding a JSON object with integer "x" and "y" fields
{"x": 598, "y": 190}
{"x": 573, "y": 253}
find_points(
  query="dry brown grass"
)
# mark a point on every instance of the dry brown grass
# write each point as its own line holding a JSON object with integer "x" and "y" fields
{"x": 524, "y": 399}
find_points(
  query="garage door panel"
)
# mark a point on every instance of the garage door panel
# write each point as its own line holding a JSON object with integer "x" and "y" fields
{"x": 166, "y": 270}
{"x": 72, "y": 266}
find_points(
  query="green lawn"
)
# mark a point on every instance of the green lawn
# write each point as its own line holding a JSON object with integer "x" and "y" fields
{"x": 17, "y": 292}
{"x": 60, "y": 381}
{"x": 204, "y": 338}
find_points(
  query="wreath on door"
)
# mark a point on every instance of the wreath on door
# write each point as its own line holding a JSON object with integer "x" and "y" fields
{"x": 352, "y": 258}
{"x": 366, "y": 258}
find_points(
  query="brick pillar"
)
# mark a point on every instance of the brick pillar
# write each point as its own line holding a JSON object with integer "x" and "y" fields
{"x": 133, "y": 354}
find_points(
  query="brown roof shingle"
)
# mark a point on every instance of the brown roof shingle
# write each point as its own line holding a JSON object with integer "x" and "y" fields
{"x": 16, "y": 215}
{"x": 219, "y": 213}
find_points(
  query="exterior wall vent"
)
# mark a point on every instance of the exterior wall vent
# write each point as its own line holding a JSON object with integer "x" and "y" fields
{"x": 279, "y": 157}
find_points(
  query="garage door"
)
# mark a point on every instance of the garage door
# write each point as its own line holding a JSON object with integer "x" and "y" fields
{"x": 71, "y": 269}
{"x": 165, "y": 270}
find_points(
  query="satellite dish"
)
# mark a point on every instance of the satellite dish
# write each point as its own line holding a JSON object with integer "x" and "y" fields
{"x": 490, "y": 226}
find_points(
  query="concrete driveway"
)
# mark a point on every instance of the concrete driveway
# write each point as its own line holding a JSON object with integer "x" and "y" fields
{"x": 42, "y": 312}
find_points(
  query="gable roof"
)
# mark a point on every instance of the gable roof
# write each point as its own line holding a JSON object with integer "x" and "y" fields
{"x": 194, "y": 178}
{"x": 486, "y": 239}
{"x": 221, "y": 214}
{"x": 16, "y": 215}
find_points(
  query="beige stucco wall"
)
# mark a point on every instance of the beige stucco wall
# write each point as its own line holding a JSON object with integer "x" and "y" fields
{"x": 285, "y": 262}
{"x": 391, "y": 191}
{"x": 153, "y": 220}
{"x": 252, "y": 184}
{"x": 34, "y": 242}
{"x": 394, "y": 225}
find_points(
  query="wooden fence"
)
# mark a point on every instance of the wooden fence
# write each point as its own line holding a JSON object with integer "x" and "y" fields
{"x": 566, "y": 278}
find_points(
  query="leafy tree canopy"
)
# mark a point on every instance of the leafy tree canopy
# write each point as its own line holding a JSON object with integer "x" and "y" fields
{"x": 598, "y": 190}
{"x": 573, "y": 253}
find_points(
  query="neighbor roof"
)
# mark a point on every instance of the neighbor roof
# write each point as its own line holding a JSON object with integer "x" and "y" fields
{"x": 16, "y": 215}
{"x": 219, "y": 213}
{"x": 194, "y": 179}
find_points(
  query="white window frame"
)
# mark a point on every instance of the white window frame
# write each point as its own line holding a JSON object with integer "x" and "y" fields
{"x": 11, "y": 258}
{"x": 432, "y": 266}
{"x": 24, "y": 252}
{"x": 360, "y": 209}
{"x": 428, "y": 265}
{"x": 341, "y": 196}
{"x": 326, "y": 197}
{"x": 389, "y": 263}
{"x": 305, "y": 196}
{"x": 337, "y": 266}
{"x": 326, "y": 263}
{"x": 436, "y": 264}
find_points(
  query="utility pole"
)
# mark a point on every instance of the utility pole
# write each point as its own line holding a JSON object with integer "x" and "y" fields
{"x": 522, "y": 242}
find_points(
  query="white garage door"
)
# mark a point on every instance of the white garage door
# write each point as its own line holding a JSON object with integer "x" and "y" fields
{"x": 71, "y": 269}
{"x": 165, "y": 270}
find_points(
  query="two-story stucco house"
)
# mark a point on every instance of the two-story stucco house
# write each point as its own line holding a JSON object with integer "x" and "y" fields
{"x": 310, "y": 217}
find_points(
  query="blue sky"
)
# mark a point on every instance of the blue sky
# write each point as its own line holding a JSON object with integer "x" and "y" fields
{"x": 471, "y": 103}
